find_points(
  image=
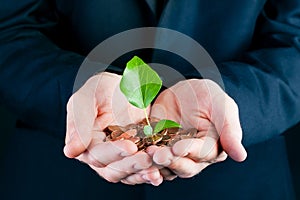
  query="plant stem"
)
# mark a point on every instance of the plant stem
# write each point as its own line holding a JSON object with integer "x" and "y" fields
{"x": 147, "y": 118}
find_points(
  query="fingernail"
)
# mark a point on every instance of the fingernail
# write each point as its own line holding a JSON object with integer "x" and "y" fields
{"x": 166, "y": 162}
{"x": 171, "y": 177}
{"x": 157, "y": 182}
{"x": 124, "y": 154}
{"x": 159, "y": 161}
{"x": 145, "y": 177}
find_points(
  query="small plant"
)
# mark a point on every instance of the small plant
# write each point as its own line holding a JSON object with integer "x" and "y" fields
{"x": 140, "y": 84}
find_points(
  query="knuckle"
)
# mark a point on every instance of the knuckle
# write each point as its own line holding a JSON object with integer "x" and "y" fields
{"x": 110, "y": 177}
{"x": 191, "y": 173}
{"x": 186, "y": 175}
{"x": 73, "y": 149}
{"x": 112, "y": 180}
{"x": 94, "y": 161}
{"x": 144, "y": 160}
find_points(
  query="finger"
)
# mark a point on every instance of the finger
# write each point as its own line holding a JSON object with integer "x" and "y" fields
{"x": 149, "y": 176}
{"x": 81, "y": 113}
{"x": 134, "y": 179}
{"x": 104, "y": 153}
{"x": 203, "y": 149}
{"x": 160, "y": 108}
{"x": 98, "y": 137}
{"x": 234, "y": 148}
{"x": 231, "y": 135}
{"x": 152, "y": 176}
{"x": 167, "y": 174}
{"x": 117, "y": 106}
{"x": 163, "y": 156}
{"x": 158, "y": 111}
{"x": 221, "y": 157}
{"x": 187, "y": 168}
{"x": 181, "y": 166}
{"x": 158, "y": 181}
{"x": 83, "y": 108}
{"x": 119, "y": 170}
{"x": 225, "y": 116}
{"x": 124, "y": 181}
{"x": 152, "y": 149}
{"x": 75, "y": 146}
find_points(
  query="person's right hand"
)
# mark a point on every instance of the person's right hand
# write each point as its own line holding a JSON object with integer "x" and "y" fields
{"x": 90, "y": 110}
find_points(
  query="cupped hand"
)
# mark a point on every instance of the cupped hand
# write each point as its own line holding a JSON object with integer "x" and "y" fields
{"x": 200, "y": 104}
{"x": 97, "y": 104}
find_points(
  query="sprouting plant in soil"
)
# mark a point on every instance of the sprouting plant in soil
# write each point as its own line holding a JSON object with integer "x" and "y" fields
{"x": 140, "y": 84}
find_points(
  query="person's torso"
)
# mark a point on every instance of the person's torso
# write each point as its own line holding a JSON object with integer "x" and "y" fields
{"x": 224, "y": 28}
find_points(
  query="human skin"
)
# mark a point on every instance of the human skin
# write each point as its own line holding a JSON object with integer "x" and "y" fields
{"x": 202, "y": 104}
{"x": 97, "y": 104}
{"x": 193, "y": 103}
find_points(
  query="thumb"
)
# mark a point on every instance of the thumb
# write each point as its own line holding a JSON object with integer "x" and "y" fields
{"x": 165, "y": 106}
{"x": 81, "y": 114}
{"x": 225, "y": 116}
{"x": 233, "y": 146}
{"x": 158, "y": 111}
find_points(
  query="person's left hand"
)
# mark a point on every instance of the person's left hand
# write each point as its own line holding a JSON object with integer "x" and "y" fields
{"x": 200, "y": 104}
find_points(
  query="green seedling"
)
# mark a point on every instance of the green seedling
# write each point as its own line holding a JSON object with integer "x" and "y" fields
{"x": 140, "y": 84}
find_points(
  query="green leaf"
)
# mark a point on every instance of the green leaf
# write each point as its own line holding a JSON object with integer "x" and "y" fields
{"x": 140, "y": 83}
{"x": 165, "y": 123}
{"x": 148, "y": 130}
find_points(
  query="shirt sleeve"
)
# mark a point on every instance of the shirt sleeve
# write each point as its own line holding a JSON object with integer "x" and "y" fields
{"x": 36, "y": 76}
{"x": 265, "y": 82}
